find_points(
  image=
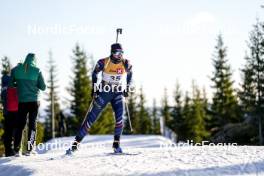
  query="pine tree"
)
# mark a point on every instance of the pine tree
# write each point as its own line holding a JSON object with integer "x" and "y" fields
{"x": 178, "y": 120}
{"x": 195, "y": 121}
{"x": 53, "y": 108}
{"x": 186, "y": 113}
{"x": 80, "y": 89}
{"x": 252, "y": 93}
{"x": 6, "y": 66}
{"x": 165, "y": 111}
{"x": 224, "y": 105}
{"x": 247, "y": 93}
{"x": 206, "y": 109}
{"x": 132, "y": 107}
{"x": 155, "y": 119}
{"x": 145, "y": 122}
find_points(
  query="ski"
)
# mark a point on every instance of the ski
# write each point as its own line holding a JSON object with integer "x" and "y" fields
{"x": 124, "y": 153}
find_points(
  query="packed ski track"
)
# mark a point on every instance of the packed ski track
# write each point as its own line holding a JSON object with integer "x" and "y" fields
{"x": 143, "y": 155}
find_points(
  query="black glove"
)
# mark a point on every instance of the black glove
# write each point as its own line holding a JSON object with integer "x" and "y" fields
{"x": 94, "y": 94}
{"x": 126, "y": 92}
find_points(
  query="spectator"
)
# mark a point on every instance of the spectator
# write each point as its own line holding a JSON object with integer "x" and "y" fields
{"x": 29, "y": 80}
{"x": 10, "y": 108}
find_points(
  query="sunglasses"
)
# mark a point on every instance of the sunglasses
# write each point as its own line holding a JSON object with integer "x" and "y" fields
{"x": 117, "y": 52}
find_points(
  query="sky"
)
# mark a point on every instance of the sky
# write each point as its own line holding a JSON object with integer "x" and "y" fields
{"x": 166, "y": 40}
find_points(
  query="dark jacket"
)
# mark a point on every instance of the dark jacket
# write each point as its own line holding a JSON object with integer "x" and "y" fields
{"x": 5, "y": 81}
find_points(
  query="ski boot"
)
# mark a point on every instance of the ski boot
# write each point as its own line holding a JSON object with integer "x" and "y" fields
{"x": 116, "y": 147}
{"x": 73, "y": 148}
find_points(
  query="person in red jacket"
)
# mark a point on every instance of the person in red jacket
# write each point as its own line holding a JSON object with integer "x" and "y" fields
{"x": 10, "y": 108}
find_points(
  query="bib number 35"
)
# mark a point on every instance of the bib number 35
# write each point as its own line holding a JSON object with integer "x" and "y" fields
{"x": 116, "y": 78}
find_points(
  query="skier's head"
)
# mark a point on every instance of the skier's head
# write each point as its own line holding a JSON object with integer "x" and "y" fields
{"x": 116, "y": 52}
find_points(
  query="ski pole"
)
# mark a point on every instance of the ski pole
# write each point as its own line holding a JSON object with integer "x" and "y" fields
{"x": 89, "y": 109}
{"x": 128, "y": 116}
{"x": 118, "y": 31}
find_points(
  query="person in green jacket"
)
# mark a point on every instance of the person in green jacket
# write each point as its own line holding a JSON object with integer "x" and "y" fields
{"x": 29, "y": 81}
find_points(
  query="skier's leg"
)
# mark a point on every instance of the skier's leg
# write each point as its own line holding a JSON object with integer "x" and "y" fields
{"x": 118, "y": 105}
{"x": 98, "y": 105}
{"x": 32, "y": 124}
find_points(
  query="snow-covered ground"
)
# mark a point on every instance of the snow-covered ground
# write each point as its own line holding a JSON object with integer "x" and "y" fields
{"x": 144, "y": 157}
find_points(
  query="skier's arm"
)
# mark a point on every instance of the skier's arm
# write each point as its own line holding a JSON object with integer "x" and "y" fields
{"x": 99, "y": 67}
{"x": 128, "y": 68}
{"x": 129, "y": 72}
